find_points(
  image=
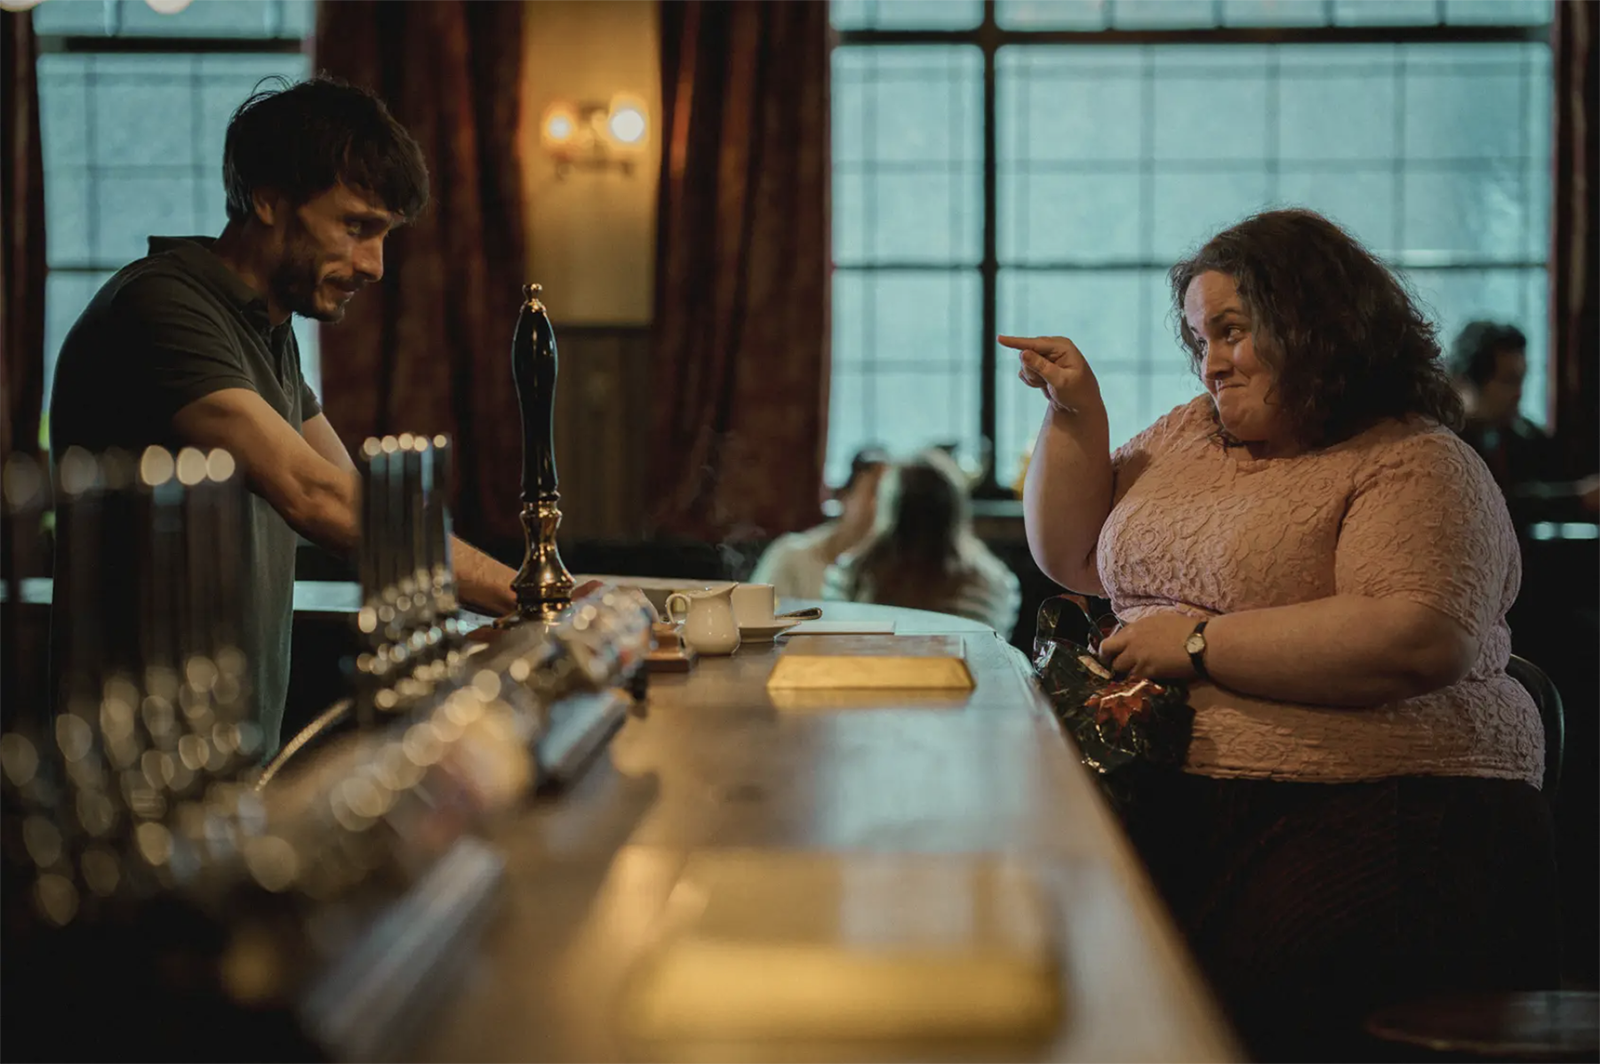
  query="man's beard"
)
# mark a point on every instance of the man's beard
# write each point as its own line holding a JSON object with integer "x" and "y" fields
{"x": 296, "y": 280}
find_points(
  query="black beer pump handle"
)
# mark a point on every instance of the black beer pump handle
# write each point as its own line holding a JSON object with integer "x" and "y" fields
{"x": 533, "y": 368}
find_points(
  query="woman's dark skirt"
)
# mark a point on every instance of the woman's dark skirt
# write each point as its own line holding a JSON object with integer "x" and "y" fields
{"x": 1308, "y": 905}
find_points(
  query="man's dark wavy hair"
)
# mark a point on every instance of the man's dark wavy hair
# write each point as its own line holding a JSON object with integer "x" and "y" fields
{"x": 1342, "y": 333}
{"x": 303, "y": 139}
{"x": 1475, "y": 352}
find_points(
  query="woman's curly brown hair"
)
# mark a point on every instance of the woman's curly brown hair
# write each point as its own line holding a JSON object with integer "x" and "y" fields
{"x": 1340, "y": 331}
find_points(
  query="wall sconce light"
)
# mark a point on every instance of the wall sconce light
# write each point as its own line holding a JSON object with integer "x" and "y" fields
{"x": 595, "y": 136}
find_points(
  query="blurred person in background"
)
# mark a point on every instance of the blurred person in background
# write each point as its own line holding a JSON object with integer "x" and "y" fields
{"x": 1488, "y": 362}
{"x": 795, "y": 562}
{"x": 922, "y": 553}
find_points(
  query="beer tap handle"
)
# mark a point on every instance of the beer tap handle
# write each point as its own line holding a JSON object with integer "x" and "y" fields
{"x": 371, "y": 519}
{"x": 78, "y": 625}
{"x": 543, "y": 586}
{"x": 228, "y": 490}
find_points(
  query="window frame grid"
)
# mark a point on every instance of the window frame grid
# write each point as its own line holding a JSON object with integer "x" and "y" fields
{"x": 990, "y": 37}
{"x": 115, "y": 42}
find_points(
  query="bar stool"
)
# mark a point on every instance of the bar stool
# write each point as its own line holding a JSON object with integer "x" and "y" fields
{"x": 1534, "y": 1025}
{"x": 1551, "y": 712}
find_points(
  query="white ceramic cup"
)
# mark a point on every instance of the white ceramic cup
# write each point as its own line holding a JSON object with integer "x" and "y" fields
{"x": 754, "y": 604}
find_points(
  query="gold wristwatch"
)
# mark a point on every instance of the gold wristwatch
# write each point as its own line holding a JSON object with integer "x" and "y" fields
{"x": 1195, "y": 645}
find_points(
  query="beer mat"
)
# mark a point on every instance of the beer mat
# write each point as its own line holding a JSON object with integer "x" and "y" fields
{"x": 907, "y": 662}
{"x": 782, "y": 950}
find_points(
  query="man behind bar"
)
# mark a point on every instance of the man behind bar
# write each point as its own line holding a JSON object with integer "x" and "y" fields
{"x": 191, "y": 346}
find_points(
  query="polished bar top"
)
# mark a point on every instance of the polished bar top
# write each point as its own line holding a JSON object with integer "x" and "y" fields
{"x": 710, "y": 762}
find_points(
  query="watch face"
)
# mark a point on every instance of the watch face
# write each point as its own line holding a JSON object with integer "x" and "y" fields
{"x": 1195, "y": 644}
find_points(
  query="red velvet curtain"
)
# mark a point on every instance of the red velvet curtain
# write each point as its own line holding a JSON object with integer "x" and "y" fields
{"x": 742, "y": 262}
{"x": 429, "y": 348}
{"x": 1575, "y": 251}
{"x": 22, "y": 261}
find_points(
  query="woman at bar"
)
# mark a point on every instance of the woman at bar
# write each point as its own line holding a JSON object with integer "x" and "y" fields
{"x": 1329, "y": 567}
{"x": 796, "y": 562}
{"x": 922, "y": 553}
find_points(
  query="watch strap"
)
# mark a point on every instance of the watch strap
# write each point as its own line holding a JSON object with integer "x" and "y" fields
{"x": 1197, "y": 658}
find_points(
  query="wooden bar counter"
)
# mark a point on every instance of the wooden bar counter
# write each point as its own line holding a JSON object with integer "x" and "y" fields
{"x": 710, "y": 763}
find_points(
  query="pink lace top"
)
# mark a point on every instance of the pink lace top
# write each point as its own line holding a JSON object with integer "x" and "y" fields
{"x": 1403, "y": 509}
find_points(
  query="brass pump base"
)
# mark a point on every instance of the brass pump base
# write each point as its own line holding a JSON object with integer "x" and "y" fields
{"x": 543, "y": 586}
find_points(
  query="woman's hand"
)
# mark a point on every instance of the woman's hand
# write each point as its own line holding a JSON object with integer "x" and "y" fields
{"x": 1151, "y": 648}
{"x": 1054, "y": 365}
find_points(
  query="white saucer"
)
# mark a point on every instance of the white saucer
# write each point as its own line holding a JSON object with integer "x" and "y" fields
{"x": 766, "y": 633}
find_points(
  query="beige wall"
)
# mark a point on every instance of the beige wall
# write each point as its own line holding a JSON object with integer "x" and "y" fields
{"x": 591, "y": 234}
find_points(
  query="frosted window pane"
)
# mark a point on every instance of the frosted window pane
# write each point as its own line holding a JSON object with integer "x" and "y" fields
{"x": 909, "y": 359}
{"x": 914, "y": 104}
{"x": 1361, "y": 201}
{"x": 1052, "y": 217}
{"x": 908, "y": 147}
{"x": 1336, "y": 111}
{"x": 912, "y": 318}
{"x": 1211, "y": 103}
{"x": 1385, "y": 13}
{"x": 1172, "y": 383}
{"x": 265, "y": 19}
{"x": 71, "y": 17}
{"x": 202, "y": 18}
{"x": 299, "y": 17}
{"x": 1078, "y": 104}
{"x": 132, "y": 209}
{"x": 1163, "y": 14}
{"x": 852, "y": 335}
{"x": 1273, "y": 13}
{"x": 1535, "y": 389}
{"x": 1100, "y": 311}
{"x": 1498, "y": 12}
{"x": 1536, "y": 241}
{"x": 142, "y": 111}
{"x": 906, "y": 14}
{"x": 849, "y": 217}
{"x": 1464, "y": 101}
{"x": 930, "y": 218}
{"x": 63, "y": 110}
{"x": 849, "y": 393}
{"x": 1479, "y": 213}
{"x": 1052, "y": 14}
{"x": 1190, "y": 208}
{"x": 1124, "y": 391}
{"x": 66, "y": 217}
{"x": 1535, "y": 121}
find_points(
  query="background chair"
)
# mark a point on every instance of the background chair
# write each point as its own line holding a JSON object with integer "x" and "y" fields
{"x": 1551, "y": 711}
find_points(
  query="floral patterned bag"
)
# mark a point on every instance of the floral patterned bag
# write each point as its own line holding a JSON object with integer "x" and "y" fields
{"x": 1125, "y": 729}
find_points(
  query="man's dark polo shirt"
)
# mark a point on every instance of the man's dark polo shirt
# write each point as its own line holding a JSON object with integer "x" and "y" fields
{"x": 167, "y": 330}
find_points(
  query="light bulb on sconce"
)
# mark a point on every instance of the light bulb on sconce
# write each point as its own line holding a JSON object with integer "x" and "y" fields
{"x": 559, "y": 126}
{"x": 626, "y": 123}
{"x": 595, "y": 136}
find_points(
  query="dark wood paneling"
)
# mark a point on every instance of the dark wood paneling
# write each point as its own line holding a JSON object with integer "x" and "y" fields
{"x": 602, "y": 425}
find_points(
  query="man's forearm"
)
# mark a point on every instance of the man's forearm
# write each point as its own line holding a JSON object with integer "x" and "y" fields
{"x": 324, "y": 507}
{"x": 482, "y": 582}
